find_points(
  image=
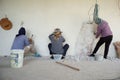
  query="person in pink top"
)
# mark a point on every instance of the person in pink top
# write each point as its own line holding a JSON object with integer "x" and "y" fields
{"x": 105, "y": 33}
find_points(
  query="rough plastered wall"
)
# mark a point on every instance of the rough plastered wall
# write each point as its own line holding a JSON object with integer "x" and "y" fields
{"x": 40, "y": 17}
{"x": 86, "y": 41}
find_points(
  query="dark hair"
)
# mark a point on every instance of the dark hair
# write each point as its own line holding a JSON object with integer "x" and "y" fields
{"x": 21, "y": 31}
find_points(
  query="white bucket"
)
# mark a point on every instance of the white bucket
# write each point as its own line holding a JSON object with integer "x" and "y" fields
{"x": 98, "y": 57}
{"x": 17, "y": 58}
{"x": 57, "y": 57}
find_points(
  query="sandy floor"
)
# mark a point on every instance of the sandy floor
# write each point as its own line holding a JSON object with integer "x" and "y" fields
{"x": 46, "y": 69}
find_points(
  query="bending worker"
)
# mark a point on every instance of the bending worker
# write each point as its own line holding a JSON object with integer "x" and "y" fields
{"x": 104, "y": 31}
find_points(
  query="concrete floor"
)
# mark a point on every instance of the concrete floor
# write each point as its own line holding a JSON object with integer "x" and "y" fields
{"x": 46, "y": 69}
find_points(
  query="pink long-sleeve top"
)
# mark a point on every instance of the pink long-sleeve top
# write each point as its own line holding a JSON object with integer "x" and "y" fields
{"x": 103, "y": 29}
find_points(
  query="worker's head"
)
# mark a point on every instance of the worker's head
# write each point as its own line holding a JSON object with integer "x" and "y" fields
{"x": 22, "y": 31}
{"x": 98, "y": 20}
{"x": 57, "y": 32}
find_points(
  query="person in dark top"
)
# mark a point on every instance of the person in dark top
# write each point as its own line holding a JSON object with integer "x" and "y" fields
{"x": 56, "y": 46}
{"x": 21, "y": 40}
{"x": 23, "y": 43}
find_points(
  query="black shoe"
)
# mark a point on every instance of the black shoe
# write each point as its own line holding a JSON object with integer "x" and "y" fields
{"x": 105, "y": 57}
{"x": 92, "y": 55}
{"x": 52, "y": 57}
{"x": 62, "y": 57}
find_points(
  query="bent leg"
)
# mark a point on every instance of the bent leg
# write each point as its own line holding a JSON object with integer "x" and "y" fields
{"x": 66, "y": 46}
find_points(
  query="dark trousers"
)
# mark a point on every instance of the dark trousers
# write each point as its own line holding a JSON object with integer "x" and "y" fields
{"x": 107, "y": 40}
{"x": 65, "y": 47}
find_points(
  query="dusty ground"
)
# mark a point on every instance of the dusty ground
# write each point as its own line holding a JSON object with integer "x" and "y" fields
{"x": 46, "y": 69}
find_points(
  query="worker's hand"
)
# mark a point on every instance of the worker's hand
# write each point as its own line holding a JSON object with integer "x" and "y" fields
{"x": 94, "y": 33}
{"x": 30, "y": 40}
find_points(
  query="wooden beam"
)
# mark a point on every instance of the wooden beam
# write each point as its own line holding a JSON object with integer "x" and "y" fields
{"x": 74, "y": 68}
